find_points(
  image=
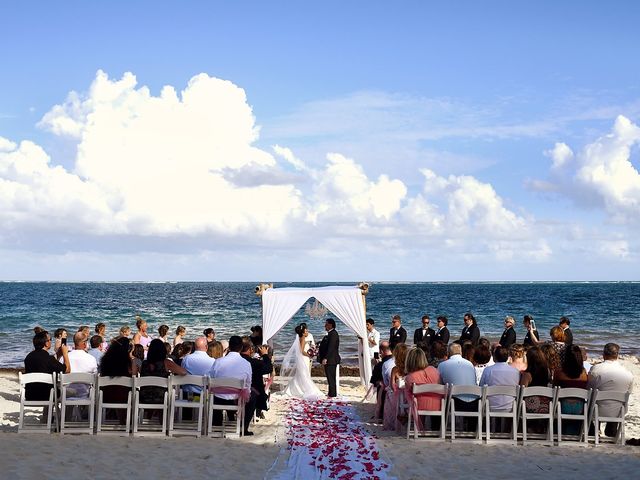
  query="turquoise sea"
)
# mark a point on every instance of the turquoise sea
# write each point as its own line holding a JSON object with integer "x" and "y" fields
{"x": 600, "y": 312}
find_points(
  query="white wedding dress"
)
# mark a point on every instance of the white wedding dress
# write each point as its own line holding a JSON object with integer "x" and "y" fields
{"x": 296, "y": 368}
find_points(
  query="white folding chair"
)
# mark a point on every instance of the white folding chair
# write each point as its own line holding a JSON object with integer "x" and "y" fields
{"x": 455, "y": 391}
{"x": 114, "y": 427}
{"x": 77, "y": 398}
{"x": 194, "y": 401}
{"x": 608, "y": 399}
{"x": 49, "y": 406}
{"x": 492, "y": 416}
{"x": 419, "y": 390}
{"x": 146, "y": 426}
{"x": 575, "y": 394}
{"x": 225, "y": 386}
{"x": 548, "y": 395}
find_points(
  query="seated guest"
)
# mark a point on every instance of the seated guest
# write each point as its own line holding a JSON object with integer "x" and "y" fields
{"x": 500, "y": 373}
{"x": 197, "y": 363}
{"x": 458, "y": 371}
{"x": 97, "y": 349}
{"x": 468, "y": 351}
{"x": 377, "y": 377}
{"x": 438, "y": 353}
{"x": 610, "y": 375}
{"x": 420, "y": 373}
{"x": 508, "y": 337}
{"x": 215, "y": 350}
{"x": 157, "y": 365}
{"x": 557, "y": 340}
{"x": 137, "y": 357}
{"x": 60, "y": 338}
{"x": 536, "y": 375}
{"x": 481, "y": 360}
{"x": 81, "y": 362}
{"x": 396, "y": 383}
{"x": 259, "y": 367}
{"x": 532, "y": 337}
{"x": 256, "y": 335}
{"x": 116, "y": 362}
{"x": 39, "y": 361}
{"x": 516, "y": 357}
{"x": 571, "y": 374}
{"x": 554, "y": 360}
{"x": 231, "y": 365}
{"x": 585, "y": 359}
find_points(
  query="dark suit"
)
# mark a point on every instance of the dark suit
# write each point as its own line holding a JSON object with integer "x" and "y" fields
{"x": 396, "y": 336}
{"x": 259, "y": 367}
{"x": 568, "y": 336}
{"x": 528, "y": 342}
{"x": 427, "y": 337}
{"x": 508, "y": 337}
{"x": 472, "y": 333}
{"x": 442, "y": 335}
{"x": 329, "y": 351}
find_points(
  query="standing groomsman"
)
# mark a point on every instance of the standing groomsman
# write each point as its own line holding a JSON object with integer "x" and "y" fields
{"x": 397, "y": 334}
{"x": 425, "y": 333}
{"x": 442, "y": 333}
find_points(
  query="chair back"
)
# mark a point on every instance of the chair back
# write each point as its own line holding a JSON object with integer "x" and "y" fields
{"x": 195, "y": 380}
{"x": 77, "y": 377}
{"x": 25, "y": 378}
{"x": 538, "y": 391}
{"x": 420, "y": 389}
{"x": 151, "y": 381}
{"x": 456, "y": 390}
{"x": 115, "y": 382}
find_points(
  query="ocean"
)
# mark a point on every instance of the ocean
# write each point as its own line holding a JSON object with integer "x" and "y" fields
{"x": 600, "y": 312}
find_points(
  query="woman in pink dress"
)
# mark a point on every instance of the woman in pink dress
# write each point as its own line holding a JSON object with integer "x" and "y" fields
{"x": 419, "y": 372}
{"x": 142, "y": 337}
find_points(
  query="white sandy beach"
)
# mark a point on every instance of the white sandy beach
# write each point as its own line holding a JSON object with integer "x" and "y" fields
{"x": 29, "y": 456}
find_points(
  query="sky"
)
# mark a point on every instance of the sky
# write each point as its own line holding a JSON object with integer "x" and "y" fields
{"x": 327, "y": 141}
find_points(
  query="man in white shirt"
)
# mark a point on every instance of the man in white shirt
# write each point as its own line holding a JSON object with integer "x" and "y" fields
{"x": 373, "y": 338}
{"x": 458, "y": 371}
{"x": 81, "y": 362}
{"x": 610, "y": 375}
{"x": 230, "y": 366}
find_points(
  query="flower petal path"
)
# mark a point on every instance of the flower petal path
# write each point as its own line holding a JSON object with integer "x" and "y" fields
{"x": 326, "y": 440}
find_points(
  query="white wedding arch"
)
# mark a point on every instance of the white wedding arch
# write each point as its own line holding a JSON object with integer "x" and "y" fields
{"x": 348, "y": 304}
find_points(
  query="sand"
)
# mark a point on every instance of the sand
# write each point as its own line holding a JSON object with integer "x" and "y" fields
{"x": 27, "y": 456}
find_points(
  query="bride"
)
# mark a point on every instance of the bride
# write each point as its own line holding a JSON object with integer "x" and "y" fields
{"x": 296, "y": 366}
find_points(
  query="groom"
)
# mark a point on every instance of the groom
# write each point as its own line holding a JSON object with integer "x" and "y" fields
{"x": 329, "y": 356}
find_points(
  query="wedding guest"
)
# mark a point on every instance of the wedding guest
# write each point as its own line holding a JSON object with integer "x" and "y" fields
{"x": 396, "y": 383}
{"x": 610, "y": 375}
{"x": 470, "y": 330}
{"x": 442, "y": 333}
{"x": 418, "y": 372}
{"x": 81, "y": 362}
{"x": 373, "y": 339}
{"x": 96, "y": 349}
{"x": 468, "y": 351}
{"x": 397, "y": 333}
{"x": 536, "y": 375}
{"x": 438, "y": 353}
{"x": 259, "y": 367}
{"x": 215, "y": 349}
{"x": 197, "y": 363}
{"x": 458, "y": 371}
{"x": 508, "y": 337}
{"x": 85, "y": 330}
{"x": 142, "y": 337}
{"x": 377, "y": 377}
{"x": 157, "y": 365}
{"x": 500, "y": 373}
{"x": 568, "y": 335}
{"x": 516, "y": 357}
{"x": 558, "y": 341}
{"x": 571, "y": 374}
{"x": 37, "y": 329}
{"x": 532, "y": 337}
{"x": 481, "y": 360}
{"x": 553, "y": 358}
{"x": 231, "y": 365}
{"x": 585, "y": 359}
{"x": 137, "y": 357}
{"x": 180, "y": 333}
{"x": 424, "y": 333}
{"x": 39, "y": 361}
{"x": 163, "y": 333}
{"x": 60, "y": 336}
{"x": 116, "y": 362}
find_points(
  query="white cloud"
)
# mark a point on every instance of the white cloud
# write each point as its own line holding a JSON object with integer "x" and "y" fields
{"x": 602, "y": 173}
{"x": 180, "y": 172}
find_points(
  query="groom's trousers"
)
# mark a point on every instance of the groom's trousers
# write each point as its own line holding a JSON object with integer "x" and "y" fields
{"x": 330, "y": 372}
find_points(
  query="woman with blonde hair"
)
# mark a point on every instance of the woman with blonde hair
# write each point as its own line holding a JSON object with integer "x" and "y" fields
{"x": 180, "y": 333}
{"x": 215, "y": 349}
{"x": 142, "y": 337}
{"x": 516, "y": 357}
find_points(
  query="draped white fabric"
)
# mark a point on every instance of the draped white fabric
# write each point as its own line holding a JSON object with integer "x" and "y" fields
{"x": 346, "y": 303}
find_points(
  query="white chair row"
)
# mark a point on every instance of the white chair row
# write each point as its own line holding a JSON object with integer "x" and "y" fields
{"x": 120, "y": 405}
{"x": 519, "y": 408}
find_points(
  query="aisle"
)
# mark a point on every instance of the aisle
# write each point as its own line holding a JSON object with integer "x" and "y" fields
{"x": 325, "y": 439}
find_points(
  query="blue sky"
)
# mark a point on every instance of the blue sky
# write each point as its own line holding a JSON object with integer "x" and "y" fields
{"x": 337, "y": 141}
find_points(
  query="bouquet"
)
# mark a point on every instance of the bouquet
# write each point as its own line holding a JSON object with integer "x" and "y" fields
{"x": 313, "y": 352}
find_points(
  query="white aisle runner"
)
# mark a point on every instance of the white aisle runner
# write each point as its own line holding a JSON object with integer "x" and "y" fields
{"x": 326, "y": 440}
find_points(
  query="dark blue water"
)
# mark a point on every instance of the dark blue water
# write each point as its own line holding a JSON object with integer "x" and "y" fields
{"x": 599, "y": 312}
